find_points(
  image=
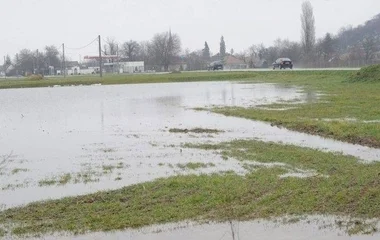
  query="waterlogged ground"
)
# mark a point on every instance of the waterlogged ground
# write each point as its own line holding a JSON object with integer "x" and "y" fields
{"x": 289, "y": 228}
{"x": 67, "y": 141}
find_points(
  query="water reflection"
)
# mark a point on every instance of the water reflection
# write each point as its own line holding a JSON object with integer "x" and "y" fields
{"x": 314, "y": 227}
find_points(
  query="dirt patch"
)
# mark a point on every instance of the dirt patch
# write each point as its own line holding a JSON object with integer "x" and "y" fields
{"x": 195, "y": 130}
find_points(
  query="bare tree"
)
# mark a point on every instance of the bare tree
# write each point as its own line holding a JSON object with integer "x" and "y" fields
{"x": 308, "y": 30}
{"x": 164, "y": 48}
{"x": 130, "y": 50}
{"x": 111, "y": 47}
{"x": 52, "y": 56}
{"x": 195, "y": 60}
{"x": 369, "y": 47}
{"x": 7, "y": 64}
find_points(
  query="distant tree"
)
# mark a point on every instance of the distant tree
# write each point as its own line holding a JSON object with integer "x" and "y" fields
{"x": 206, "y": 52}
{"x": 26, "y": 61}
{"x": 52, "y": 56}
{"x": 111, "y": 47}
{"x": 325, "y": 47}
{"x": 222, "y": 50}
{"x": 131, "y": 50}
{"x": 195, "y": 60}
{"x": 232, "y": 51}
{"x": 164, "y": 48}
{"x": 308, "y": 30}
{"x": 369, "y": 47}
{"x": 145, "y": 54}
{"x": 7, "y": 64}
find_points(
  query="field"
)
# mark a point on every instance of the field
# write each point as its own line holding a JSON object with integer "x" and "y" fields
{"x": 276, "y": 179}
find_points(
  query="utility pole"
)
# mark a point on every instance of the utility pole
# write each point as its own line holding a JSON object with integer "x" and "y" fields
{"x": 5, "y": 70}
{"x": 117, "y": 59}
{"x": 100, "y": 57}
{"x": 63, "y": 59}
{"x": 38, "y": 66}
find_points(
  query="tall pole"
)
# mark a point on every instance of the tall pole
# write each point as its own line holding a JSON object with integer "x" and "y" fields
{"x": 100, "y": 57}
{"x": 5, "y": 70}
{"x": 117, "y": 59}
{"x": 64, "y": 63}
{"x": 38, "y": 66}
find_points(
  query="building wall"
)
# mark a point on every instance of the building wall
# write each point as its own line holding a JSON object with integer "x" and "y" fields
{"x": 131, "y": 67}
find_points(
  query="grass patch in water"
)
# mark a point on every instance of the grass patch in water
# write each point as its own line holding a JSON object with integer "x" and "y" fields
{"x": 195, "y": 130}
{"x": 351, "y": 189}
{"x": 18, "y": 170}
{"x": 194, "y": 165}
{"x": 2, "y": 232}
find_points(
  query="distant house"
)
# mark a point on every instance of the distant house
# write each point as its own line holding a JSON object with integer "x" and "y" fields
{"x": 231, "y": 62}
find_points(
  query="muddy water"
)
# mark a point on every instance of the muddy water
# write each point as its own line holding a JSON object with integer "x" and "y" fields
{"x": 316, "y": 227}
{"x": 49, "y": 132}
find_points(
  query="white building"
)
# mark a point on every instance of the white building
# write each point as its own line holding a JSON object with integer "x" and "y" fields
{"x": 132, "y": 67}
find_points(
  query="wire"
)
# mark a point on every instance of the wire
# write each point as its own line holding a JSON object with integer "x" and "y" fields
{"x": 83, "y": 46}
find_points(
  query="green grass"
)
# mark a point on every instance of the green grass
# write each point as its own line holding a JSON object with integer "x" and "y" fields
{"x": 124, "y": 79}
{"x": 367, "y": 74}
{"x": 350, "y": 189}
{"x": 162, "y": 78}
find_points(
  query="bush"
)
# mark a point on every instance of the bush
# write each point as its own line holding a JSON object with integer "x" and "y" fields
{"x": 176, "y": 71}
{"x": 36, "y": 77}
{"x": 367, "y": 74}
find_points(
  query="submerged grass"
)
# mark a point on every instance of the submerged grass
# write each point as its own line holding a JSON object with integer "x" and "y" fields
{"x": 195, "y": 165}
{"x": 18, "y": 170}
{"x": 350, "y": 189}
{"x": 195, "y": 130}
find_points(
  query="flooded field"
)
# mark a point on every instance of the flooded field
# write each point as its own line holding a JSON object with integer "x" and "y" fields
{"x": 74, "y": 140}
{"x": 67, "y": 141}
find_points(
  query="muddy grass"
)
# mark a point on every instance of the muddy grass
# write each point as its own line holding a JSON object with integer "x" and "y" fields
{"x": 344, "y": 187}
{"x": 195, "y": 130}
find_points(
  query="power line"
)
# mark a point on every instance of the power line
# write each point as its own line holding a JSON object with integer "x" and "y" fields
{"x": 96, "y": 39}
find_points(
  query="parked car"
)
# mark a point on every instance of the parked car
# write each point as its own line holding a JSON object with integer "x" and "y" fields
{"x": 283, "y": 63}
{"x": 217, "y": 65}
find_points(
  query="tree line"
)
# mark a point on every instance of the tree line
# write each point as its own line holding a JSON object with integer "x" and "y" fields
{"x": 165, "y": 49}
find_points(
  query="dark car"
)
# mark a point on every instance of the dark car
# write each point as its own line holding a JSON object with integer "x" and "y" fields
{"x": 283, "y": 63}
{"x": 215, "y": 65}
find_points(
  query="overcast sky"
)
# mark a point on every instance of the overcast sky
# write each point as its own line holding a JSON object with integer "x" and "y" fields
{"x": 35, "y": 23}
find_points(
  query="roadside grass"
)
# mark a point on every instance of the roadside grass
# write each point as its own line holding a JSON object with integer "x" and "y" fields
{"x": 348, "y": 188}
{"x": 163, "y": 78}
{"x": 125, "y": 79}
